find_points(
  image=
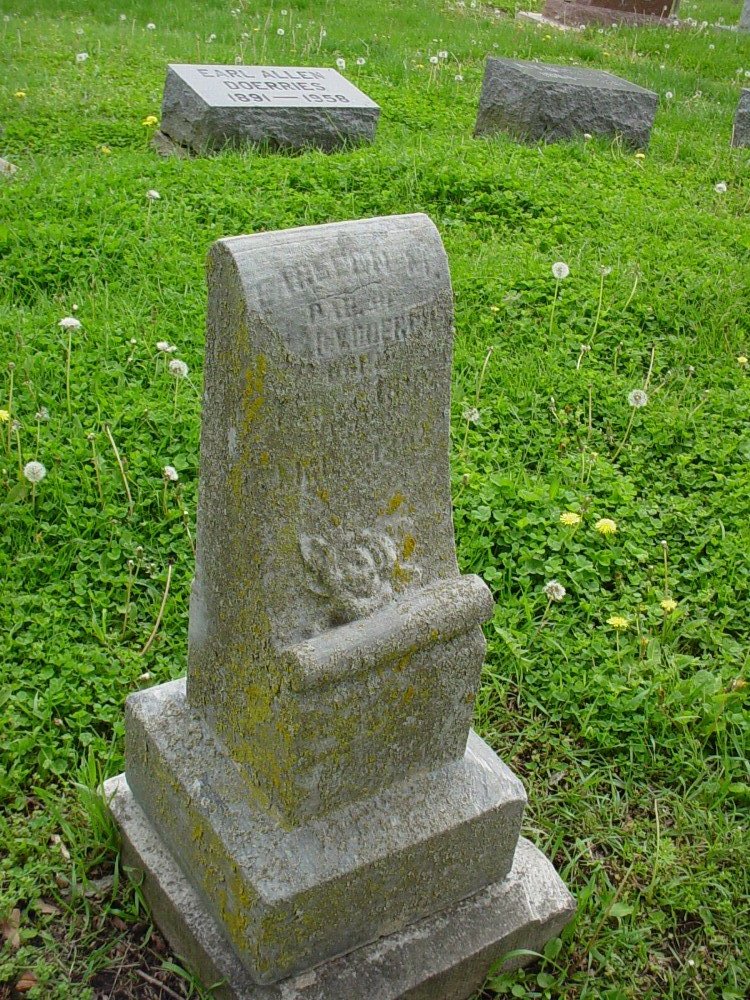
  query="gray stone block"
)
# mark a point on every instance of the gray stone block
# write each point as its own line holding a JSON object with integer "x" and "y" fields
{"x": 535, "y": 101}
{"x": 291, "y": 897}
{"x": 741, "y": 130}
{"x": 443, "y": 957}
{"x": 206, "y": 108}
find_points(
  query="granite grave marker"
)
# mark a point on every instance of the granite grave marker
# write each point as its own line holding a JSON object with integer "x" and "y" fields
{"x": 310, "y": 814}
{"x": 535, "y": 101}
{"x": 206, "y": 108}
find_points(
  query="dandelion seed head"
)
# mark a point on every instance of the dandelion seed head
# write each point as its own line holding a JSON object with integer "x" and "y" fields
{"x": 434, "y": 60}
{"x": 341, "y": 63}
{"x": 459, "y": 78}
{"x": 42, "y": 414}
{"x": 151, "y": 26}
{"x": 606, "y": 526}
{"x": 280, "y": 31}
{"x": 637, "y": 398}
{"x": 81, "y": 57}
{"x": 170, "y": 473}
{"x": 361, "y": 61}
{"x": 560, "y": 270}
{"x": 555, "y": 590}
{"x": 34, "y": 472}
{"x": 165, "y": 347}
{"x": 153, "y": 195}
{"x": 720, "y": 188}
{"x": 471, "y": 415}
{"x": 178, "y": 368}
{"x": 70, "y": 323}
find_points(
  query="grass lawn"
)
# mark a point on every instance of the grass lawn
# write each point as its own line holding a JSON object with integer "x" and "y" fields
{"x": 632, "y": 743}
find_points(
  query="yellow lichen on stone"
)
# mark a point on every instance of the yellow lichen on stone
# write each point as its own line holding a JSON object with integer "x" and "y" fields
{"x": 394, "y": 503}
{"x": 409, "y": 544}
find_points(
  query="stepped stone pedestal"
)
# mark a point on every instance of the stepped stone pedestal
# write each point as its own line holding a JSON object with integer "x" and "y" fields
{"x": 310, "y": 814}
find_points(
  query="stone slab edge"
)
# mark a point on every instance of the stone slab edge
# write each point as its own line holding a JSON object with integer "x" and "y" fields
{"x": 444, "y": 957}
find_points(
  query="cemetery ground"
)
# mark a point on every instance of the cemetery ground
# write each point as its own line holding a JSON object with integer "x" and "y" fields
{"x": 624, "y": 705}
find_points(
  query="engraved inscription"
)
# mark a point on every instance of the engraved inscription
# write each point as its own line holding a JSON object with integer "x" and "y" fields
{"x": 357, "y": 570}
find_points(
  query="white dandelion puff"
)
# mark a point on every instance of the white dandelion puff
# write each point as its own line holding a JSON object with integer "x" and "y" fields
{"x": 151, "y": 26}
{"x": 170, "y": 473}
{"x": 554, "y": 590}
{"x": 637, "y": 398}
{"x": 560, "y": 270}
{"x": 153, "y": 195}
{"x": 280, "y": 31}
{"x": 178, "y": 368}
{"x": 165, "y": 347}
{"x": 70, "y": 323}
{"x": 720, "y": 188}
{"x": 81, "y": 57}
{"x": 34, "y": 472}
{"x": 361, "y": 61}
{"x": 341, "y": 63}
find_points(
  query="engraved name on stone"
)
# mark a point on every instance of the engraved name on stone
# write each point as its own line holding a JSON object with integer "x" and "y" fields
{"x": 226, "y": 86}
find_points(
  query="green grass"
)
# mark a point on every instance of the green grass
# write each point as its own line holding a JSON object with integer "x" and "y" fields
{"x": 634, "y": 748}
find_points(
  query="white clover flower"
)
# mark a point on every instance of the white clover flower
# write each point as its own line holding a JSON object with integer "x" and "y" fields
{"x": 720, "y": 188}
{"x": 70, "y": 323}
{"x": 151, "y": 26}
{"x": 361, "y": 61}
{"x": 341, "y": 63}
{"x": 153, "y": 195}
{"x": 165, "y": 347}
{"x": 280, "y": 31}
{"x": 560, "y": 270}
{"x": 554, "y": 590}
{"x": 178, "y": 368}
{"x": 434, "y": 60}
{"x": 170, "y": 473}
{"x": 81, "y": 57}
{"x": 637, "y": 398}
{"x": 34, "y": 472}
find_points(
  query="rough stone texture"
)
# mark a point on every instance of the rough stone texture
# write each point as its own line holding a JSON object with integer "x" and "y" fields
{"x": 290, "y": 897}
{"x": 741, "y": 130}
{"x": 7, "y": 169}
{"x": 443, "y": 957}
{"x": 209, "y": 107}
{"x": 534, "y": 17}
{"x": 609, "y": 12}
{"x": 167, "y": 147}
{"x": 539, "y": 101}
{"x": 312, "y": 779}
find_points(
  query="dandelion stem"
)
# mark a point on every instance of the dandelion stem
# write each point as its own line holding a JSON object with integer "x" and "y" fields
{"x": 626, "y": 435}
{"x": 108, "y": 432}
{"x": 650, "y": 368}
{"x": 554, "y": 303}
{"x": 665, "y": 548}
{"x": 591, "y": 407}
{"x": 544, "y": 616}
{"x": 18, "y": 448}
{"x": 480, "y": 380}
{"x": 157, "y": 623}
{"x": 132, "y": 571}
{"x": 632, "y": 293}
{"x": 67, "y": 369}
{"x": 11, "y": 369}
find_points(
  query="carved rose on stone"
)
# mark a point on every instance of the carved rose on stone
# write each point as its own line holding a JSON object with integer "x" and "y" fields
{"x": 357, "y": 570}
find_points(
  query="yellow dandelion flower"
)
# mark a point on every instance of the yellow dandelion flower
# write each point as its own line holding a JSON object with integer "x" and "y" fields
{"x": 640, "y": 156}
{"x": 20, "y": 93}
{"x": 494, "y": 309}
{"x": 618, "y": 622}
{"x": 669, "y": 605}
{"x": 4, "y": 416}
{"x": 105, "y": 150}
{"x": 606, "y": 526}
{"x": 150, "y": 120}
{"x": 742, "y": 360}
{"x": 570, "y": 518}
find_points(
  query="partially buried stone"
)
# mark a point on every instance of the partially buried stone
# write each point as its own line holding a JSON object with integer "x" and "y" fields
{"x": 741, "y": 130}
{"x": 534, "y": 101}
{"x": 311, "y": 788}
{"x": 7, "y": 169}
{"x": 207, "y": 108}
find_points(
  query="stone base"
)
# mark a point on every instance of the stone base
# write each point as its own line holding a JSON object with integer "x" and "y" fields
{"x": 166, "y": 147}
{"x": 443, "y": 957}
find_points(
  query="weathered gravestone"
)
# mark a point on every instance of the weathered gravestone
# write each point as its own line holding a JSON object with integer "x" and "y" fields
{"x": 744, "y": 23}
{"x": 540, "y": 101}
{"x": 741, "y": 130}
{"x": 609, "y": 12}
{"x": 206, "y": 108}
{"x": 307, "y": 814}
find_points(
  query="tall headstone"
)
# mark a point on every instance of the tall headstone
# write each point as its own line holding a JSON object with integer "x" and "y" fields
{"x": 534, "y": 101}
{"x": 207, "y": 108}
{"x": 741, "y": 130}
{"x": 310, "y": 815}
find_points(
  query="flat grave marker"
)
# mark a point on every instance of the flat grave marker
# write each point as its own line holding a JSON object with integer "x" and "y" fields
{"x": 209, "y": 107}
